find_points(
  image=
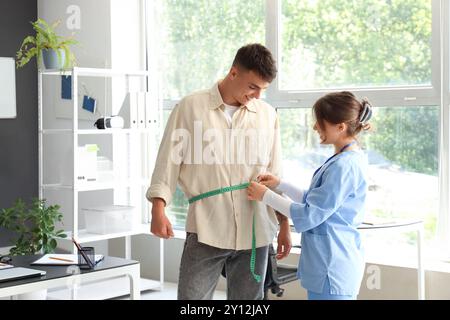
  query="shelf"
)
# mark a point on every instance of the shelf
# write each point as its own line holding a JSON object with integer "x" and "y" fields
{"x": 84, "y": 236}
{"x": 56, "y": 186}
{"x": 104, "y": 289}
{"x": 94, "y": 131}
{"x": 98, "y": 185}
{"x": 132, "y": 158}
{"x": 56, "y": 131}
{"x": 93, "y": 72}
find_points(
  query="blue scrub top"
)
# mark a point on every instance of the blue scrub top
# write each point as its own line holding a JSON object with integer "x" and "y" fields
{"x": 328, "y": 218}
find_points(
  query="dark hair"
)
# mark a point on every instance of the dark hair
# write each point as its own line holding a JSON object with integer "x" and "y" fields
{"x": 339, "y": 107}
{"x": 255, "y": 57}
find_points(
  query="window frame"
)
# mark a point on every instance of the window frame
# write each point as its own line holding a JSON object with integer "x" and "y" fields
{"x": 416, "y": 95}
{"x": 443, "y": 223}
{"x": 436, "y": 94}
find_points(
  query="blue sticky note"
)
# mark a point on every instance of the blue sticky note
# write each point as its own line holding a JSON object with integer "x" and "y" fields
{"x": 89, "y": 104}
{"x": 66, "y": 87}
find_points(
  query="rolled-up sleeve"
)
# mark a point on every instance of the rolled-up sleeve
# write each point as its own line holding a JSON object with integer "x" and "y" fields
{"x": 166, "y": 172}
{"x": 321, "y": 202}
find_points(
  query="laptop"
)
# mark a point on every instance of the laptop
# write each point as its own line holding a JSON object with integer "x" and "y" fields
{"x": 19, "y": 273}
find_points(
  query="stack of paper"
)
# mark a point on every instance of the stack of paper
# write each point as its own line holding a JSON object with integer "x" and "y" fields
{"x": 62, "y": 259}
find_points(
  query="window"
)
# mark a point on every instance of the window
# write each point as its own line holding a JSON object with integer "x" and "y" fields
{"x": 199, "y": 39}
{"x": 387, "y": 51}
{"x": 335, "y": 44}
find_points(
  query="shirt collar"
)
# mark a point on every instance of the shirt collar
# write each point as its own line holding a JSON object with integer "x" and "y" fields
{"x": 216, "y": 100}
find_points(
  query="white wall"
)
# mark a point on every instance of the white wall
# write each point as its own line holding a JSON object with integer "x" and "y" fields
{"x": 93, "y": 50}
{"x": 127, "y": 53}
{"x": 127, "y": 45}
{"x": 94, "y": 33}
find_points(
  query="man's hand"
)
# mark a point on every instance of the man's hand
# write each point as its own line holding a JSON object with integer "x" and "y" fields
{"x": 161, "y": 226}
{"x": 255, "y": 191}
{"x": 269, "y": 180}
{"x": 284, "y": 239}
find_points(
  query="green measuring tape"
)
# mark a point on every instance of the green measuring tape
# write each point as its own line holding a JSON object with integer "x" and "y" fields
{"x": 215, "y": 192}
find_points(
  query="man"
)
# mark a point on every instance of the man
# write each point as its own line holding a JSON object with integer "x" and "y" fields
{"x": 199, "y": 151}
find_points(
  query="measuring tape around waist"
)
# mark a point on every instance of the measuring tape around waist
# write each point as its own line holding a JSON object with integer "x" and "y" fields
{"x": 215, "y": 192}
{"x": 219, "y": 191}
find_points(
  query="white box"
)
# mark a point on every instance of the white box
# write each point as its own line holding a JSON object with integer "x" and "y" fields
{"x": 87, "y": 163}
{"x": 86, "y": 159}
{"x": 108, "y": 219}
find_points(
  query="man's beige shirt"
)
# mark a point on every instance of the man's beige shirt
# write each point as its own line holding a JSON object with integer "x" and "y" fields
{"x": 201, "y": 152}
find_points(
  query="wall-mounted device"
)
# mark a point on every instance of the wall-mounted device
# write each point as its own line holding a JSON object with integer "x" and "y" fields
{"x": 7, "y": 88}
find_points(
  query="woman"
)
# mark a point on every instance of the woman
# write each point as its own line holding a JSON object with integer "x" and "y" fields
{"x": 328, "y": 213}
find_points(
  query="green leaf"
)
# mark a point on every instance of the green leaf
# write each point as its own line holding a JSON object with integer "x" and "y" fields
{"x": 53, "y": 244}
{"x": 60, "y": 233}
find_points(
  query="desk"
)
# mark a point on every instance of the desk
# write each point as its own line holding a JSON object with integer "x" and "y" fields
{"x": 59, "y": 276}
{"x": 405, "y": 226}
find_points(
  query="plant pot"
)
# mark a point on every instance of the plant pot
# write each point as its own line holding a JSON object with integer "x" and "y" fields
{"x": 35, "y": 295}
{"x": 51, "y": 60}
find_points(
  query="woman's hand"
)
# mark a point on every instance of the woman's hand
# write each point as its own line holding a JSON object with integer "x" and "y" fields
{"x": 256, "y": 191}
{"x": 269, "y": 180}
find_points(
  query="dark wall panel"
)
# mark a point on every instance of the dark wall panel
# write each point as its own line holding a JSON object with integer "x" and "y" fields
{"x": 18, "y": 137}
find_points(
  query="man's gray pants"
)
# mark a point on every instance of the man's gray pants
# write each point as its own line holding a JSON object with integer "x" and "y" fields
{"x": 201, "y": 266}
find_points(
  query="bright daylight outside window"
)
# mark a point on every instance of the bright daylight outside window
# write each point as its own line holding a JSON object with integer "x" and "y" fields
{"x": 334, "y": 43}
{"x": 199, "y": 39}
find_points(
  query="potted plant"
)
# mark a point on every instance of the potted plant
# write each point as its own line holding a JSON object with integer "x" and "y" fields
{"x": 54, "y": 49}
{"x": 34, "y": 226}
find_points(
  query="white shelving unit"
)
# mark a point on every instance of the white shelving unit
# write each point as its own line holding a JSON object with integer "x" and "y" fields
{"x": 74, "y": 133}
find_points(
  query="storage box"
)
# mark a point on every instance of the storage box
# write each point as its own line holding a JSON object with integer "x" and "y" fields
{"x": 86, "y": 159}
{"x": 87, "y": 163}
{"x": 108, "y": 219}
